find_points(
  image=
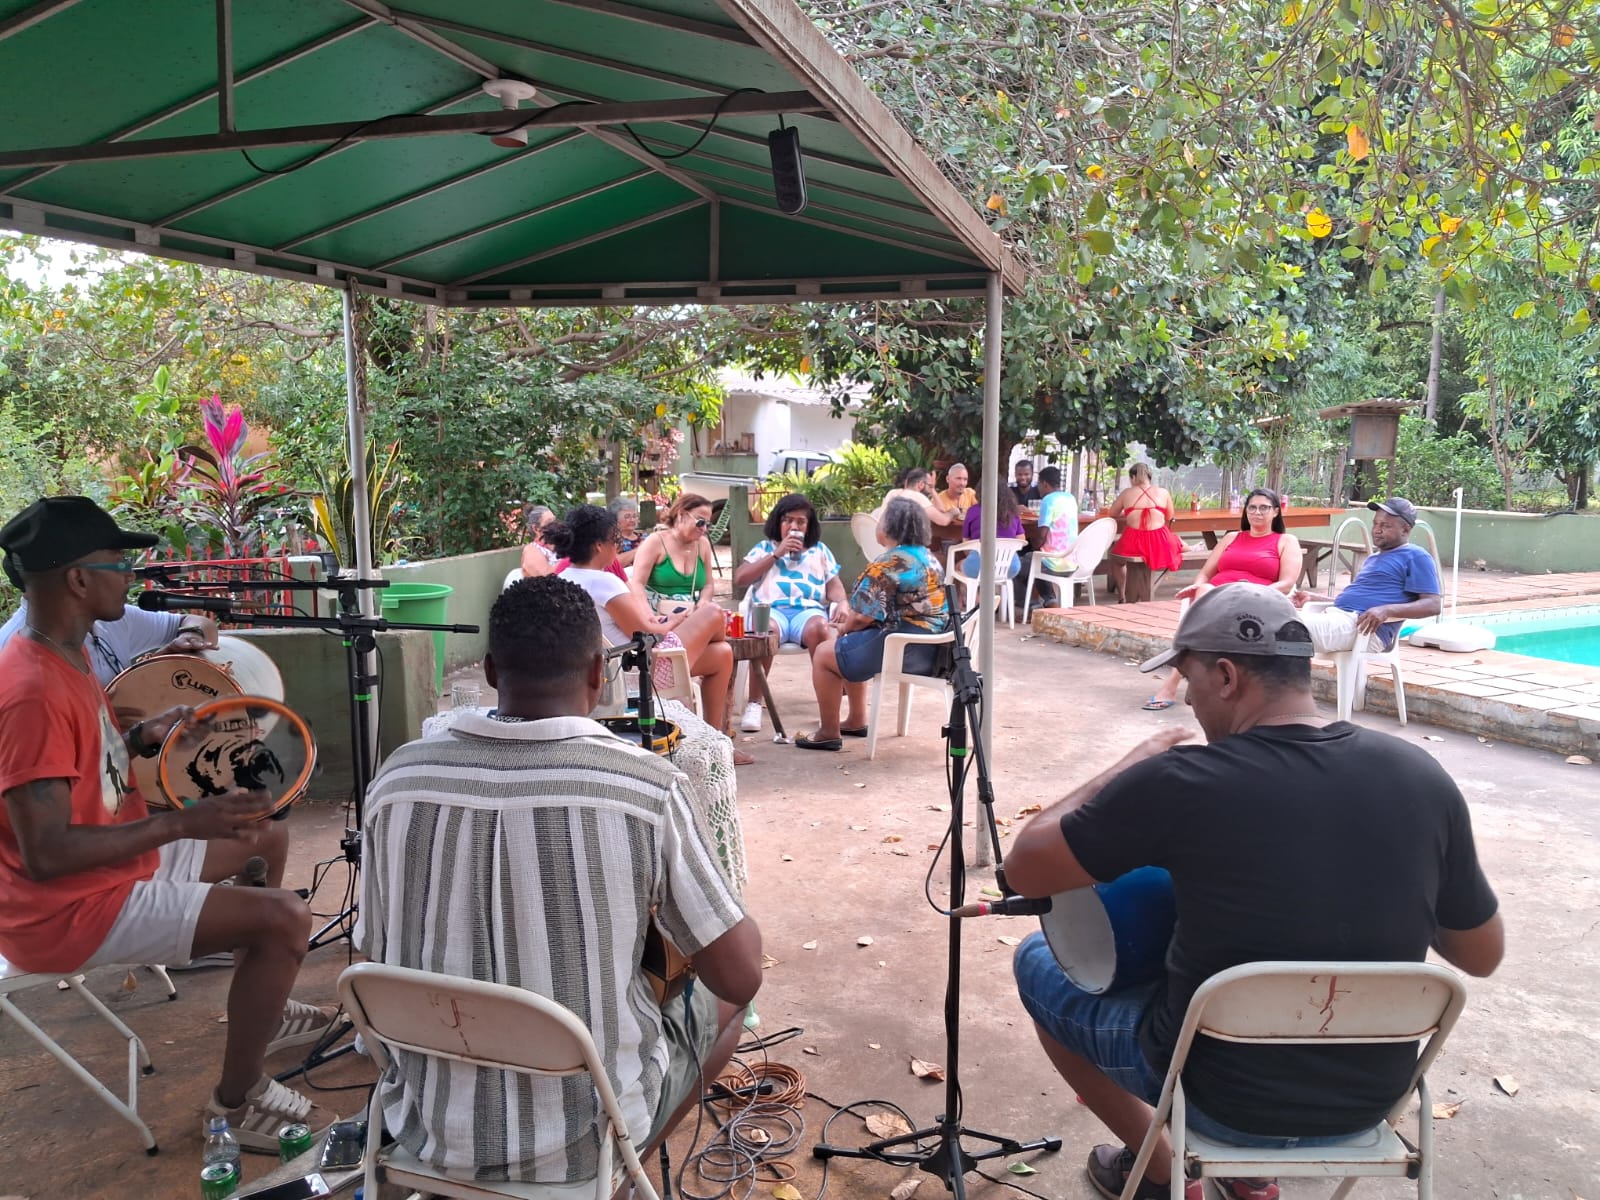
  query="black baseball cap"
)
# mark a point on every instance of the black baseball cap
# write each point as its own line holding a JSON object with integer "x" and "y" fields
{"x": 1396, "y": 506}
{"x": 58, "y": 530}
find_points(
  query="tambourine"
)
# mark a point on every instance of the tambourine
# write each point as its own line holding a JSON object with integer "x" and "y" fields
{"x": 238, "y": 742}
{"x": 664, "y": 738}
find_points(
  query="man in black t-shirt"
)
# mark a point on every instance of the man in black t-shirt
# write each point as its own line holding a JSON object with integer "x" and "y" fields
{"x": 1286, "y": 838}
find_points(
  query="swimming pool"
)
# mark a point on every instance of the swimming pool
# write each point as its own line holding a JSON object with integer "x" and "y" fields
{"x": 1570, "y": 635}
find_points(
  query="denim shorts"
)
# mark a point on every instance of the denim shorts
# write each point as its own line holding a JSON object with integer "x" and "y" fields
{"x": 860, "y": 654}
{"x": 791, "y": 622}
{"x": 1105, "y": 1030}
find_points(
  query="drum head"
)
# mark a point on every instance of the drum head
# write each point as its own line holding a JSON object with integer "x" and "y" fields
{"x": 241, "y": 742}
{"x": 664, "y": 738}
{"x": 250, "y": 666}
{"x": 1079, "y": 934}
{"x": 153, "y": 685}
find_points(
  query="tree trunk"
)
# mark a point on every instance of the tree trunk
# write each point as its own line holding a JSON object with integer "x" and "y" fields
{"x": 1435, "y": 354}
{"x": 613, "y": 471}
{"x": 1497, "y": 445}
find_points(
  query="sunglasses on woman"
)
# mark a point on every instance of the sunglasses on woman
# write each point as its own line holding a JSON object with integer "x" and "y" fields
{"x": 701, "y": 522}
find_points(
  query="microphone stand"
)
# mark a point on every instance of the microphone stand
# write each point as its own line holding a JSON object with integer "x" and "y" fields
{"x": 947, "y": 1157}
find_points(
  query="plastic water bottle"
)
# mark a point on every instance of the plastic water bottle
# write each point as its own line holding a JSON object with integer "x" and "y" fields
{"x": 222, "y": 1148}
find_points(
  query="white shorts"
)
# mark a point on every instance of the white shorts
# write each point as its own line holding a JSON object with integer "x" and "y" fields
{"x": 156, "y": 924}
{"x": 1334, "y": 629}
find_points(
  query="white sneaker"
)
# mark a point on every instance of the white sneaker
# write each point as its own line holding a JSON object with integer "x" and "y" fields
{"x": 752, "y": 718}
{"x": 267, "y": 1108}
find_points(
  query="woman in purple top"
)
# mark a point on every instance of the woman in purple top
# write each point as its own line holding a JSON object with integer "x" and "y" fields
{"x": 1007, "y": 524}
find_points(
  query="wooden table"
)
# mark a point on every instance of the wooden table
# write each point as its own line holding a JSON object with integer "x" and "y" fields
{"x": 752, "y": 648}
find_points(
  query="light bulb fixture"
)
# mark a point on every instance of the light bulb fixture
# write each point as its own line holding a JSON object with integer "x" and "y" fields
{"x": 788, "y": 169}
{"x": 510, "y": 93}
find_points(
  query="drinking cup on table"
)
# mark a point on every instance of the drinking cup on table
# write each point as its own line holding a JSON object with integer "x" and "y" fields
{"x": 1034, "y": 505}
{"x": 465, "y": 695}
{"x": 760, "y": 618}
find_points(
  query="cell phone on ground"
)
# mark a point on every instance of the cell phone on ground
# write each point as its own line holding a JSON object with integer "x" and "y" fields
{"x": 345, "y": 1147}
{"x": 295, "y": 1189}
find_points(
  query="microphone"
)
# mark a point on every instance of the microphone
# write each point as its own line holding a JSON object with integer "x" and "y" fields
{"x": 1011, "y": 906}
{"x": 153, "y": 601}
{"x": 639, "y": 642}
{"x": 161, "y": 571}
{"x": 255, "y": 871}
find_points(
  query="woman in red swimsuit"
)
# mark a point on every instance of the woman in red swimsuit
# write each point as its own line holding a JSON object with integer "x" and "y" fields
{"x": 1261, "y": 551}
{"x": 1146, "y": 513}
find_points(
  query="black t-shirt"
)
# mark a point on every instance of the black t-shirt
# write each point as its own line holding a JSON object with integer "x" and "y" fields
{"x": 1289, "y": 842}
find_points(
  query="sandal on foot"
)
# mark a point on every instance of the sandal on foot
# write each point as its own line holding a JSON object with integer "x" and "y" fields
{"x": 809, "y": 743}
{"x": 862, "y": 732}
{"x": 1154, "y": 705}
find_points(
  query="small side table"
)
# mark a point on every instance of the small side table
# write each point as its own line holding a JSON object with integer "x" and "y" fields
{"x": 752, "y": 648}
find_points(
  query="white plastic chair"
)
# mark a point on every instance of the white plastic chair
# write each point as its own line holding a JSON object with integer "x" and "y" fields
{"x": 894, "y": 653}
{"x": 514, "y": 575}
{"x": 1005, "y": 553}
{"x": 682, "y": 686}
{"x": 1087, "y": 552}
{"x": 397, "y": 1010}
{"x": 14, "y": 979}
{"x": 1307, "y": 1003}
{"x": 864, "y": 528}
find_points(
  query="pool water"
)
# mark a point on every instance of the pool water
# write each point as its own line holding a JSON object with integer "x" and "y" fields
{"x": 1570, "y": 635}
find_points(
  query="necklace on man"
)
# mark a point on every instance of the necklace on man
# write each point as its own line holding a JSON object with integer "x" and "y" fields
{"x": 44, "y": 637}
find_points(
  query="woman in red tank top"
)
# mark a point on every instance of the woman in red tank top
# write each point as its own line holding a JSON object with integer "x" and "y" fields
{"x": 1261, "y": 551}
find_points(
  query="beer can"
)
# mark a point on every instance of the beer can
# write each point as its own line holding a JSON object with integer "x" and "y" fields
{"x": 219, "y": 1181}
{"x": 293, "y": 1141}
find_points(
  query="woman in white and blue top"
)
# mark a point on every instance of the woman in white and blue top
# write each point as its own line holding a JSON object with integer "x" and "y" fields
{"x": 794, "y": 572}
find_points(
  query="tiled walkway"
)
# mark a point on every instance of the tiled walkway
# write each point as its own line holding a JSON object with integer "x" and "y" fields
{"x": 1511, "y": 697}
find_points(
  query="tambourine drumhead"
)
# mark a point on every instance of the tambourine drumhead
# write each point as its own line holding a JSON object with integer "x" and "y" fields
{"x": 249, "y": 665}
{"x": 152, "y": 686}
{"x": 1113, "y": 935}
{"x": 663, "y": 741}
{"x": 249, "y": 742}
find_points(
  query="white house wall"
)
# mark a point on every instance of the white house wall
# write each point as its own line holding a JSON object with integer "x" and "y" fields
{"x": 814, "y": 427}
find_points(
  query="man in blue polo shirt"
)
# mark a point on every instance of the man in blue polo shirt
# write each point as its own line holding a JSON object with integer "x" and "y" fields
{"x": 1398, "y": 581}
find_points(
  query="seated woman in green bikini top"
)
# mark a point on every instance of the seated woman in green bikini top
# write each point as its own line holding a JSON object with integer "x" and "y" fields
{"x": 673, "y": 565}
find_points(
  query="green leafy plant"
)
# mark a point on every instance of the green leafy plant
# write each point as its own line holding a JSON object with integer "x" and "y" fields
{"x": 333, "y": 511}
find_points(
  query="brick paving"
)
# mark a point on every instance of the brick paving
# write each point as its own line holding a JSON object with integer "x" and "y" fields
{"x": 1511, "y": 697}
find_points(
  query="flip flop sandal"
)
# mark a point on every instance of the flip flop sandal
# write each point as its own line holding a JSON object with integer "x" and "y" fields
{"x": 862, "y": 732}
{"x": 806, "y": 743}
{"x": 1154, "y": 705}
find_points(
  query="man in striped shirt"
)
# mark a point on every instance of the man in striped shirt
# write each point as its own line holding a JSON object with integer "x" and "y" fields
{"x": 529, "y": 848}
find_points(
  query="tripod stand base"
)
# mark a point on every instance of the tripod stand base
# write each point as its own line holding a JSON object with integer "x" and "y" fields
{"x": 948, "y": 1158}
{"x": 324, "y": 1051}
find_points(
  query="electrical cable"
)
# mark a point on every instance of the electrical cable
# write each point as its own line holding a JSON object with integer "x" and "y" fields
{"x": 716, "y": 114}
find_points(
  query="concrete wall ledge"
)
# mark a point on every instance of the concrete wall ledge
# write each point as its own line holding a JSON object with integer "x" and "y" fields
{"x": 1494, "y": 718}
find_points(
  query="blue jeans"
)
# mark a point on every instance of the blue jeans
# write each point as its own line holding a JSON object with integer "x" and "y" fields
{"x": 1105, "y": 1030}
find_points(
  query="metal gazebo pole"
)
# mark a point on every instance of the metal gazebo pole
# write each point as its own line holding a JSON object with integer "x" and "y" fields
{"x": 994, "y": 298}
{"x": 355, "y": 386}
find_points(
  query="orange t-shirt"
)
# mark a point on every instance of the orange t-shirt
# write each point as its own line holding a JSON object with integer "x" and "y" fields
{"x": 55, "y": 724}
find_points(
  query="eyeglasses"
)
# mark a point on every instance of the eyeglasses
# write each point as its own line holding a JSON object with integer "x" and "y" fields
{"x": 701, "y": 522}
{"x": 1260, "y": 508}
{"x": 125, "y": 566}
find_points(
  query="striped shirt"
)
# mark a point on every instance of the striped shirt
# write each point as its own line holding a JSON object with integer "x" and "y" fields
{"x": 531, "y": 853}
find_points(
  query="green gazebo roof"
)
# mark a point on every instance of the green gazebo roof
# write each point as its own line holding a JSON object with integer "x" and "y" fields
{"x": 334, "y": 140}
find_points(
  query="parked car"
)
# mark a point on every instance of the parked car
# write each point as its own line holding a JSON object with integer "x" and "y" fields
{"x": 786, "y": 462}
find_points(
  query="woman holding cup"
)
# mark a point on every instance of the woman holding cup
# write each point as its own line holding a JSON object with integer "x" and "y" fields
{"x": 795, "y": 576}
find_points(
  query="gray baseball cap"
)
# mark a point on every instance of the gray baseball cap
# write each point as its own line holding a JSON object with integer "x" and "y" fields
{"x": 1239, "y": 618}
{"x": 1396, "y": 506}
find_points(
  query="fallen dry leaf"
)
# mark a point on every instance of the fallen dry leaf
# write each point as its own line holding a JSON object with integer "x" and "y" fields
{"x": 788, "y": 858}
{"x": 874, "y": 1045}
{"x": 753, "y": 1134}
{"x": 1431, "y": 737}
{"x": 1507, "y": 1084}
{"x": 786, "y": 1191}
{"x": 901, "y": 851}
{"x": 1580, "y": 760}
{"x": 223, "y": 1019}
{"x": 129, "y": 983}
{"x": 1443, "y": 1112}
{"x": 992, "y": 893}
{"x": 1029, "y": 810}
{"x": 858, "y": 828}
{"x": 808, "y": 945}
{"x": 904, "y": 1189}
{"x": 886, "y": 1125}
{"x": 864, "y": 940}
{"x": 893, "y": 837}
{"x": 923, "y": 1069}
{"x": 1005, "y": 939}
{"x": 939, "y": 807}
{"x": 810, "y": 1050}
{"x": 768, "y": 961}
{"x": 1021, "y": 1169}
{"x": 881, "y": 963}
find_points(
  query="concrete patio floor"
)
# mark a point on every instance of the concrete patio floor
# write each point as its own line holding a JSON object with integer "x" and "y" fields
{"x": 838, "y": 849}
